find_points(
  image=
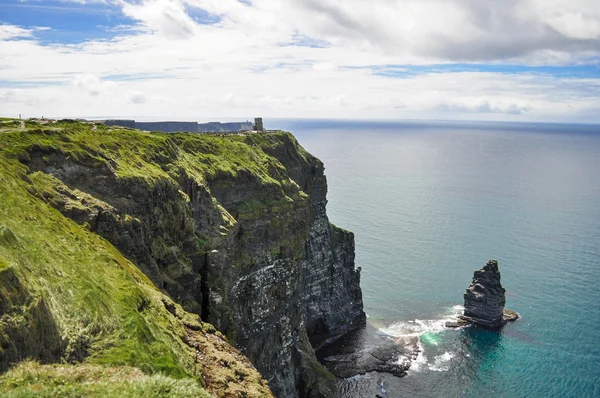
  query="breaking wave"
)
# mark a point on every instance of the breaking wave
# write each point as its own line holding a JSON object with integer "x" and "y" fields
{"x": 441, "y": 363}
{"x": 428, "y": 333}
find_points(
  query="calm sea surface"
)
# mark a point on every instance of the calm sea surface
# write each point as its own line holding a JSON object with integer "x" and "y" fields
{"x": 429, "y": 203}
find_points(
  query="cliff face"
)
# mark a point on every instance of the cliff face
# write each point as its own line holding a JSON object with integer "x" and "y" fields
{"x": 232, "y": 228}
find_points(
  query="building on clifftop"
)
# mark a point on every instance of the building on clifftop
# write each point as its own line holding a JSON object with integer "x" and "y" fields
{"x": 258, "y": 124}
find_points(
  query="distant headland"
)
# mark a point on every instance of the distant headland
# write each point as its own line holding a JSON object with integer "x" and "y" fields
{"x": 170, "y": 126}
{"x": 193, "y": 127}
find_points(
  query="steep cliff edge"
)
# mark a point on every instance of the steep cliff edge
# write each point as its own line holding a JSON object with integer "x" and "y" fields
{"x": 232, "y": 228}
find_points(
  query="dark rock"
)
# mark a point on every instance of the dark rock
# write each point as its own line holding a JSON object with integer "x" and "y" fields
{"x": 485, "y": 300}
{"x": 368, "y": 350}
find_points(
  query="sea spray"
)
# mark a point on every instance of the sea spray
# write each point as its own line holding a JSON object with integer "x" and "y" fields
{"x": 429, "y": 333}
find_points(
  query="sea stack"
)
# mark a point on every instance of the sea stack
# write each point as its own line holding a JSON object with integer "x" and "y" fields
{"x": 485, "y": 300}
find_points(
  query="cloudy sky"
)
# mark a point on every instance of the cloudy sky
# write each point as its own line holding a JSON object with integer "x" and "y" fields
{"x": 521, "y": 60}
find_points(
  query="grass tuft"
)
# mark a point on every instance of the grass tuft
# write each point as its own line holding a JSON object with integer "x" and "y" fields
{"x": 30, "y": 379}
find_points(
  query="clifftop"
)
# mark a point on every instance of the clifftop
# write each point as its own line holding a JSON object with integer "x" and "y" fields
{"x": 123, "y": 248}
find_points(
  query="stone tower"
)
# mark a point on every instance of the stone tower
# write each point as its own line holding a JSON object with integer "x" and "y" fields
{"x": 258, "y": 124}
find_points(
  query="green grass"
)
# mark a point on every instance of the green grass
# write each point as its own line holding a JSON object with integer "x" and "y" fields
{"x": 3, "y": 264}
{"x": 136, "y": 154}
{"x": 59, "y": 280}
{"x": 31, "y": 379}
{"x": 9, "y": 123}
{"x": 93, "y": 292}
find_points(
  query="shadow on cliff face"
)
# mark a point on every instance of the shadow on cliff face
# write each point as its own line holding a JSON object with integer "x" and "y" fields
{"x": 27, "y": 328}
{"x": 150, "y": 223}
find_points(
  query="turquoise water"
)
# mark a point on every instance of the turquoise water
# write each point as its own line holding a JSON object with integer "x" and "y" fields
{"x": 429, "y": 204}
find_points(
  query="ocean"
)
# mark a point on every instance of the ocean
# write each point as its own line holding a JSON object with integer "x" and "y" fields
{"x": 431, "y": 202}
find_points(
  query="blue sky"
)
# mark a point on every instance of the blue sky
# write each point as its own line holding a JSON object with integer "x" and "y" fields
{"x": 69, "y": 23}
{"x": 522, "y": 60}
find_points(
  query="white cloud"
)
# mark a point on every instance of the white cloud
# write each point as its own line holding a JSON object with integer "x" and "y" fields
{"x": 167, "y": 17}
{"x": 92, "y": 85}
{"x": 8, "y": 96}
{"x": 12, "y": 32}
{"x": 284, "y": 58}
{"x": 577, "y": 25}
{"x": 434, "y": 30}
{"x": 485, "y": 106}
{"x": 137, "y": 97}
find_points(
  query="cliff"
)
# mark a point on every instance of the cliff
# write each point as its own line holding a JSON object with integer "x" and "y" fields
{"x": 124, "y": 238}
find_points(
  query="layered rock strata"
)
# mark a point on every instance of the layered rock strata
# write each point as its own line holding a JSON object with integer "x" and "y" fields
{"x": 485, "y": 300}
{"x": 232, "y": 228}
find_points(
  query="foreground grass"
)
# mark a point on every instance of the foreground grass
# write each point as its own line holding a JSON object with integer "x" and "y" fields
{"x": 69, "y": 287}
{"x": 31, "y": 379}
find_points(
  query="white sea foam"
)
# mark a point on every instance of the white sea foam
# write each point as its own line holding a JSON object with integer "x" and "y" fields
{"x": 355, "y": 377}
{"x": 426, "y": 331}
{"x": 420, "y": 362}
{"x": 418, "y": 327}
{"x": 403, "y": 361}
{"x": 441, "y": 363}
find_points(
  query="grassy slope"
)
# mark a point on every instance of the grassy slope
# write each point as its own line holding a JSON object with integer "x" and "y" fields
{"x": 30, "y": 379}
{"x": 136, "y": 154}
{"x": 82, "y": 289}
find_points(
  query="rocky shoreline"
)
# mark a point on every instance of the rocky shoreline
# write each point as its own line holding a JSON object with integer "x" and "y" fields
{"x": 370, "y": 350}
{"x": 463, "y": 320}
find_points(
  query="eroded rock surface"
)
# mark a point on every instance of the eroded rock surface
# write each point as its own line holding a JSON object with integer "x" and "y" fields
{"x": 485, "y": 300}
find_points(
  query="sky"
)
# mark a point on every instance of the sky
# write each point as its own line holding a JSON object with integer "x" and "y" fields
{"x": 509, "y": 60}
